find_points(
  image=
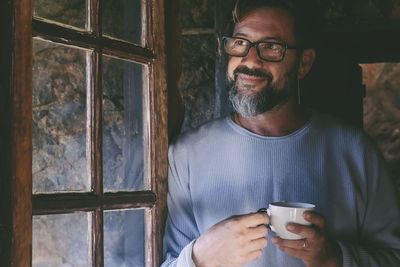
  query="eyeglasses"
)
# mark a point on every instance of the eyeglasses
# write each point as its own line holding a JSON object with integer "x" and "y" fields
{"x": 268, "y": 51}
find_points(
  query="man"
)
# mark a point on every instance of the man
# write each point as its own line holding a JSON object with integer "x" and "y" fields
{"x": 274, "y": 149}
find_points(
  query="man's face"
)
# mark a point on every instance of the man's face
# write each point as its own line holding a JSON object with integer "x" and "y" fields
{"x": 257, "y": 85}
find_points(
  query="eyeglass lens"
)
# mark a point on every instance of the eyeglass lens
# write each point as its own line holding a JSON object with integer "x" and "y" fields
{"x": 266, "y": 50}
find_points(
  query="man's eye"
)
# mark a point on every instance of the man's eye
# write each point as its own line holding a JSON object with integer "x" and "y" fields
{"x": 240, "y": 43}
{"x": 273, "y": 46}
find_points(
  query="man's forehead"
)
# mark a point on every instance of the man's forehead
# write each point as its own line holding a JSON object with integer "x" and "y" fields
{"x": 249, "y": 29}
{"x": 265, "y": 23}
{"x": 261, "y": 38}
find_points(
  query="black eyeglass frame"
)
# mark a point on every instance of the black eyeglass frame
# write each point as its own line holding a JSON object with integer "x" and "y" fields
{"x": 255, "y": 44}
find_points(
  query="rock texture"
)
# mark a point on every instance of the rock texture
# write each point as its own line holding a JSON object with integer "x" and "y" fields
{"x": 197, "y": 84}
{"x": 122, "y": 125}
{"x": 197, "y": 14}
{"x": 69, "y": 12}
{"x": 61, "y": 240}
{"x": 59, "y": 119}
{"x": 124, "y": 238}
{"x": 382, "y": 110}
{"x": 122, "y": 20}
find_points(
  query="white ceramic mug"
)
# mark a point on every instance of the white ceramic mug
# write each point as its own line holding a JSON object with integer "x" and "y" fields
{"x": 282, "y": 213}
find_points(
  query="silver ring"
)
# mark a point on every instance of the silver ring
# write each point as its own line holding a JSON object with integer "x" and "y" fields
{"x": 304, "y": 243}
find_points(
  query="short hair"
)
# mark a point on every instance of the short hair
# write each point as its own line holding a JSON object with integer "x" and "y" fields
{"x": 304, "y": 13}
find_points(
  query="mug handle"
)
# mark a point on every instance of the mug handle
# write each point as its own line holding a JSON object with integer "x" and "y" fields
{"x": 268, "y": 212}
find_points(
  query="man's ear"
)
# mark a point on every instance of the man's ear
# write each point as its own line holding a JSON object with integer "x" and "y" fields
{"x": 306, "y": 61}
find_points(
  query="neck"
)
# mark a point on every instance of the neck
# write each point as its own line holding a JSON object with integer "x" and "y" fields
{"x": 280, "y": 121}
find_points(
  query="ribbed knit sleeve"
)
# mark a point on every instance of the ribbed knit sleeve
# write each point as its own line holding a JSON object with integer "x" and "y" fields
{"x": 378, "y": 242}
{"x": 180, "y": 226}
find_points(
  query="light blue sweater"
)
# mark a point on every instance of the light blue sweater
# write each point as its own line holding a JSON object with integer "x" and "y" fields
{"x": 221, "y": 169}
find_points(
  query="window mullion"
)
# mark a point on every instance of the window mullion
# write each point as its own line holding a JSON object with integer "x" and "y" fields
{"x": 95, "y": 27}
{"x": 97, "y": 238}
{"x": 114, "y": 47}
{"x": 97, "y": 155}
{"x": 95, "y": 123}
{"x": 94, "y": 23}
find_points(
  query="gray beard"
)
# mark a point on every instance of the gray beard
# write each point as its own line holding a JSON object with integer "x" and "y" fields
{"x": 270, "y": 96}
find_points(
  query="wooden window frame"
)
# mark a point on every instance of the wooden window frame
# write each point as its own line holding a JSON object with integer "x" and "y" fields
{"x": 17, "y": 200}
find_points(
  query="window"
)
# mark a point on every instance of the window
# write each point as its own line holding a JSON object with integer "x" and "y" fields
{"x": 89, "y": 134}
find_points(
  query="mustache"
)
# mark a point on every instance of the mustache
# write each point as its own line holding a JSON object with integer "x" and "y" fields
{"x": 252, "y": 72}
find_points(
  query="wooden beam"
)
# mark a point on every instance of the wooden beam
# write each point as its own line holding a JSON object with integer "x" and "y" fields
{"x": 98, "y": 238}
{"x": 21, "y": 135}
{"x": 158, "y": 125}
{"x": 95, "y": 17}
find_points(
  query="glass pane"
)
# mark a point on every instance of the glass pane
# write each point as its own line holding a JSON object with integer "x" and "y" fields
{"x": 124, "y": 238}
{"x": 69, "y": 12}
{"x": 122, "y": 19}
{"x": 123, "y": 154}
{"x": 59, "y": 160}
{"x": 61, "y": 240}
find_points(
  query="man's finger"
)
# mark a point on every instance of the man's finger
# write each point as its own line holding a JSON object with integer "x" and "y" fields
{"x": 258, "y": 244}
{"x": 254, "y": 255}
{"x": 315, "y": 218}
{"x": 255, "y": 219}
{"x": 258, "y": 231}
{"x": 305, "y": 231}
{"x": 295, "y": 244}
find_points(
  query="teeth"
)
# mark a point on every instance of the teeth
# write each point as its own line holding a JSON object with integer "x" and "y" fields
{"x": 256, "y": 76}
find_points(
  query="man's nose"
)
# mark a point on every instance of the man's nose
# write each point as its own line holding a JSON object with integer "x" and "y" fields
{"x": 252, "y": 57}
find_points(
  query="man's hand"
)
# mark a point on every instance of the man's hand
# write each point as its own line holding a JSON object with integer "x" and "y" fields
{"x": 315, "y": 249}
{"x": 232, "y": 242}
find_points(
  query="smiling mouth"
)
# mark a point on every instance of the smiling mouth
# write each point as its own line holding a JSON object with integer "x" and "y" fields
{"x": 251, "y": 79}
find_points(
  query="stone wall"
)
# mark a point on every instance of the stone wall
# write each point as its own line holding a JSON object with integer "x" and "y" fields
{"x": 59, "y": 119}
{"x": 382, "y": 111}
{"x": 197, "y": 83}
